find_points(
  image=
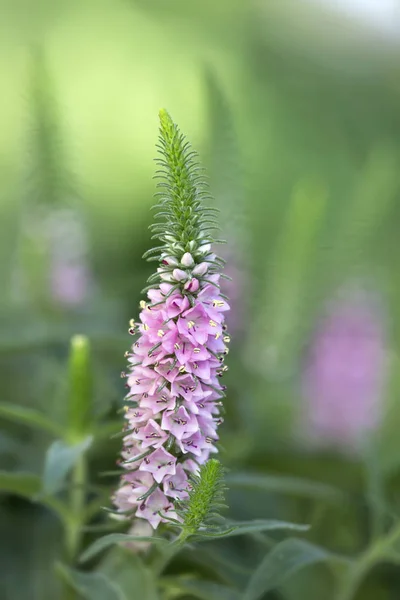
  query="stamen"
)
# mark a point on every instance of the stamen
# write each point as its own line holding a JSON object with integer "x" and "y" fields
{"x": 218, "y": 303}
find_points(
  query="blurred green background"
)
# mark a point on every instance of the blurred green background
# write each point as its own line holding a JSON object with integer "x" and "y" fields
{"x": 294, "y": 110}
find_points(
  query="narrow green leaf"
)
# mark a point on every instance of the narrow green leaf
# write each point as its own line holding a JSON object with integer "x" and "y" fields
{"x": 282, "y": 562}
{"x": 259, "y": 525}
{"x": 29, "y": 485}
{"x": 22, "y": 484}
{"x": 115, "y": 538}
{"x": 29, "y": 416}
{"x": 60, "y": 459}
{"x": 80, "y": 387}
{"x": 282, "y": 484}
{"x": 130, "y": 572}
{"x": 91, "y": 586}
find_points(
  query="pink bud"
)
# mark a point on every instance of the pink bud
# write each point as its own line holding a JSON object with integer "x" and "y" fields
{"x": 200, "y": 269}
{"x": 187, "y": 260}
{"x": 170, "y": 260}
{"x": 165, "y": 275}
{"x": 179, "y": 275}
{"x": 192, "y": 285}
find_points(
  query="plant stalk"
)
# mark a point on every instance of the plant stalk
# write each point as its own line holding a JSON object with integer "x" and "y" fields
{"x": 77, "y": 507}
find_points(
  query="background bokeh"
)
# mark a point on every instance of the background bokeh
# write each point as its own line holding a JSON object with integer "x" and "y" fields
{"x": 293, "y": 107}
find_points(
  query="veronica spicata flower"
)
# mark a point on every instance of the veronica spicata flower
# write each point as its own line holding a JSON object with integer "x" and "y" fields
{"x": 346, "y": 372}
{"x": 176, "y": 361}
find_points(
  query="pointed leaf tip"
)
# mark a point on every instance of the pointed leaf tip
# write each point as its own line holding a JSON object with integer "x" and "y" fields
{"x": 164, "y": 115}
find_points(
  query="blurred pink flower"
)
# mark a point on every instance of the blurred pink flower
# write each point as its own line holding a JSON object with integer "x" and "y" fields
{"x": 344, "y": 380}
{"x": 69, "y": 275}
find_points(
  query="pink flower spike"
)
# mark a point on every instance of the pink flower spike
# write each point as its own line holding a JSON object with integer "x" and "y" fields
{"x": 176, "y": 360}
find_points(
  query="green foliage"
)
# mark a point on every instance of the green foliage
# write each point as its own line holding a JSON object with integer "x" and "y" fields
{"x": 22, "y": 484}
{"x": 206, "y": 500}
{"x": 91, "y": 586}
{"x": 115, "y": 538}
{"x": 301, "y": 137}
{"x": 60, "y": 459}
{"x": 261, "y": 525}
{"x": 283, "y": 561}
{"x": 81, "y": 387}
{"x": 30, "y": 417}
{"x": 131, "y": 573}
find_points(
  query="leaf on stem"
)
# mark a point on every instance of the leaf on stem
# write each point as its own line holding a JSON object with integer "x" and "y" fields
{"x": 259, "y": 525}
{"x": 282, "y": 562}
{"x": 29, "y": 486}
{"x": 91, "y": 586}
{"x": 26, "y": 485}
{"x": 29, "y": 416}
{"x": 60, "y": 459}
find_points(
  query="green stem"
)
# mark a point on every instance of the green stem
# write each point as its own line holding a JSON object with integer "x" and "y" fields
{"x": 355, "y": 575}
{"x": 77, "y": 508}
{"x": 380, "y": 550}
{"x": 168, "y": 554}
